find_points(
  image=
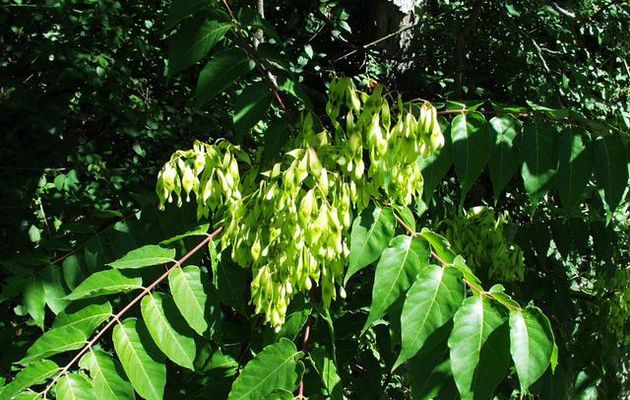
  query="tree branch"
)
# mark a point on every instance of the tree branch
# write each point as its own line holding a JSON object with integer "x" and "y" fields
{"x": 116, "y": 318}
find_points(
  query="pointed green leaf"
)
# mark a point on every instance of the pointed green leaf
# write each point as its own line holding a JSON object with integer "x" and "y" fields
{"x": 439, "y": 244}
{"x": 35, "y": 300}
{"x": 86, "y": 318}
{"x": 220, "y": 72}
{"x": 395, "y": 272}
{"x": 74, "y": 387}
{"x": 28, "y": 395}
{"x": 327, "y": 370}
{"x": 190, "y": 289}
{"x": 55, "y": 341}
{"x": 103, "y": 283}
{"x": 273, "y": 368}
{"x": 181, "y": 9}
{"x": 371, "y": 232}
{"x": 538, "y": 150}
{"x": 34, "y": 374}
{"x": 142, "y": 361}
{"x": 193, "y": 41}
{"x": 144, "y": 256}
{"x": 532, "y": 344}
{"x": 430, "y": 369}
{"x": 431, "y": 302}
{"x": 250, "y": 107}
{"x": 471, "y": 148}
{"x": 504, "y": 159}
{"x": 575, "y": 167}
{"x": 54, "y": 291}
{"x": 232, "y": 285}
{"x": 200, "y": 230}
{"x": 107, "y": 376}
{"x": 479, "y": 348}
{"x": 611, "y": 170}
{"x": 168, "y": 330}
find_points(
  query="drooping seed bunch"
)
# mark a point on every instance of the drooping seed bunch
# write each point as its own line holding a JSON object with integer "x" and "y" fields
{"x": 290, "y": 224}
{"x": 479, "y": 236}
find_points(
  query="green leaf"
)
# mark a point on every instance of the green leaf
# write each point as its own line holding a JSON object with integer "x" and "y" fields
{"x": 395, "y": 272}
{"x": 103, "y": 283}
{"x": 431, "y": 302}
{"x": 55, "y": 341}
{"x": 54, "y": 291}
{"x": 145, "y": 256}
{"x": 611, "y": 170}
{"x": 168, "y": 330}
{"x": 471, "y": 148}
{"x": 574, "y": 167}
{"x": 107, "y": 376}
{"x": 35, "y": 300}
{"x": 435, "y": 167}
{"x": 538, "y": 149}
{"x": 504, "y": 159}
{"x": 199, "y": 230}
{"x": 190, "y": 289}
{"x": 327, "y": 370}
{"x": 250, "y": 107}
{"x": 34, "y": 374}
{"x": 181, "y": 9}
{"x": 232, "y": 285}
{"x": 532, "y": 344}
{"x": 273, "y": 368}
{"x": 479, "y": 348}
{"x": 220, "y": 72}
{"x": 439, "y": 244}
{"x": 29, "y": 395}
{"x": 371, "y": 232}
{"x": 430, "y": 369}
{"x": 74, "y": 387}
{"x": 86, "y": 318}
{"x": 142, "y": 361}
{"x": 193, "y": 41}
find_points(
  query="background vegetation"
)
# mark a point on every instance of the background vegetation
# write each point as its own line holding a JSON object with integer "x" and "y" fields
{"x": 95, "y": 96}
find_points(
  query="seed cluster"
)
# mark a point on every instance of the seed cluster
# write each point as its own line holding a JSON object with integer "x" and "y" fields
{"x": 290, "y": 224}
{"x": 479, "y": 236}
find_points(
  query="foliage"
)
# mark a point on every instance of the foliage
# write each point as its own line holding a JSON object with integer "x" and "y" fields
{"x": 344, "y": 240}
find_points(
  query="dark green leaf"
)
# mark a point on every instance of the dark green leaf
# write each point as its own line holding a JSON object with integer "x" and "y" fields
{"x": 193, "y": 42}
{"x": 574, "y": 167}
{"x": 611, "y": 169}
{"x": 504, "y": 159}
{"x": 181, "y": 9}
{"x": 220, "y": 72}
{"x": 538, "y": 149}
{"x": 471, "y": 148}
{"x": 250, "y": 107}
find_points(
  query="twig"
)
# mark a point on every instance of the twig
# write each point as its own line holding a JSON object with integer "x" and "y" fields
{"x": 307, "y": 336}
{"x": 116, "y": 318}
{"x": 261, "y": 65}
{"x": 377, "y": 41}
{"x": 540, "y": 55}
{"x": 466, "y": 111}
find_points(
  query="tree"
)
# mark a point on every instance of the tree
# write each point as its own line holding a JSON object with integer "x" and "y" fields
{"x": 340, "y": 239}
